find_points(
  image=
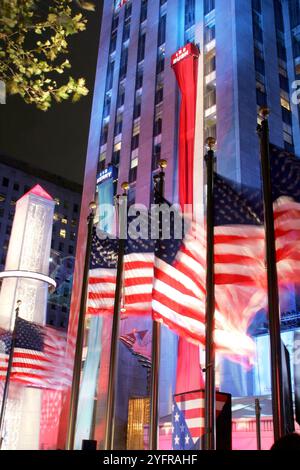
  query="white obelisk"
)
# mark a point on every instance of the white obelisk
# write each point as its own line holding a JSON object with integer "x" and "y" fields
{"x": 26, "y": 278}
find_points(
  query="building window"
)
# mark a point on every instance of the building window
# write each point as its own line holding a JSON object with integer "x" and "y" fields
{"x": 285, "y": 103}
{"x": 137, "y": 107}
{"x": 189, "y": 13}
{"x": 210, "y": 65}
{"x": 256, "y": 5}
{"x": 257, "y": 29}
{"x": 132, "y": 174}
{"x": 104, "y": 134}
{"x": 160, "y": 64}
{"x": 139, "y": 79}
{"x": 116, "y": 154}
{"x": 71, "y": 250}
{"x": 141, "y": 47}
{"x": 16, "y": 187}
{"x": 210, "y": 99}
{"x": 135, "y": 141}
{"x": 211, "y": 131}
{"x": 281, "y": 50}
{"x": 126, "y": 32}
{"x": 159, "y": 95}
{"x": 110, "y": 75}
{"x": 118, "y": 124}
{"x": 107, "y": 102}
{"x": 62, "y": 233}
{"x": 2, "y": 197}
{"x": 284, "y": 83}
{"x": 261, "y": 98}
{"x": 123, "y": 63}
{"x": 64, "y": 220}
{"x": 5, "y": 182}
{"x": 278, "y": 15}
{"x": 156, "y": 156}
{"x": 75, "y": 209}
{"x": 162, "y": 30}
{"x": 115, "y": 23}
{"x": 209, "y": 33}
{"x": 61, "y": 246}
{"x": 259, "y": 62}
{"x": 128, "y": 10}
{"x": 144, "y": 10}
{"x": 121, "y": 96}
{"x": 286, "y": 116}
{"x": 113, "y": 43}
{"x": 209, "y": 5}
{"x": 157, "y": 127}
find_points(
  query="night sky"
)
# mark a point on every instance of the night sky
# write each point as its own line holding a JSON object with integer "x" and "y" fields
{"x": 56, "y": 140}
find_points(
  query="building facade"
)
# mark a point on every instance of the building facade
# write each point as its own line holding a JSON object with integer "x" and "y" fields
{"x": 248, "y": 59}
{"x": 17, "y": 178}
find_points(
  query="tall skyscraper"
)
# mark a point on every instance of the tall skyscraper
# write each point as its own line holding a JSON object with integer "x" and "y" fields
{"x": 249, "y": 57}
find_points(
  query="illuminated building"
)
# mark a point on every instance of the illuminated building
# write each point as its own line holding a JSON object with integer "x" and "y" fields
{"x": 16, "y": 178}
{"x": 248, "y": 58}
{"x": 26, "y": 278}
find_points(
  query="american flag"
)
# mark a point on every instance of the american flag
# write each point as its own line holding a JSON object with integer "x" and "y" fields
{"x": 285, "y": 173}
{"x": 179, "y": 276}
{"x": 188, "y": 418}
{"x": 137, "y": 276}
{"x": 139, "y": 343}
{"x": 38, "y": 358}
{"x": 240, "y": 271}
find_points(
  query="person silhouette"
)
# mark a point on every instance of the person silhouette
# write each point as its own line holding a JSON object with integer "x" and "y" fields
{"x": 288, "y": 442}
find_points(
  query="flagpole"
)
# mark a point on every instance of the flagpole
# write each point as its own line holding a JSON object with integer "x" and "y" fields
{"x": 80, "y": 334}
{"x": 156, "y": 334}
{"x": 8, "y": 374}
{"x": 258, "y": 429}
{"x": 210, "y": 387}
{"x": 273, "y": 296}
{"x": 113, "y": 365}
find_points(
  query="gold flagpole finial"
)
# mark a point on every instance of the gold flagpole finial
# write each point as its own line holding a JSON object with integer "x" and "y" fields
{"x": 162, "y": 164}
{"x": 125, "y": 186}
{"x": 92, "y": 206}
{"x": 264, "y": 111}
{"x": 210, "y": 142}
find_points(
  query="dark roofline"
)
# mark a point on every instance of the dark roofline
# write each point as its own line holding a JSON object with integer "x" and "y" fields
{"x": 43, "y": 174}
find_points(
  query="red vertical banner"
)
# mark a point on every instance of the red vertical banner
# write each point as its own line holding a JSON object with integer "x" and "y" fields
{"x": 185, "y": 66}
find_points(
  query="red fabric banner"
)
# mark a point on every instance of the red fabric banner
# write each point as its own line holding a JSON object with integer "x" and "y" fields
{"x": 185, "y": 66}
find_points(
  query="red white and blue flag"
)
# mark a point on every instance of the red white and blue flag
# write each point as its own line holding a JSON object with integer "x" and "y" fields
{"x": 188, "y": 412}
{"x": 137, "y": 276}
{"x": 179, "y": 278}
{"x": 39, "y": 357}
